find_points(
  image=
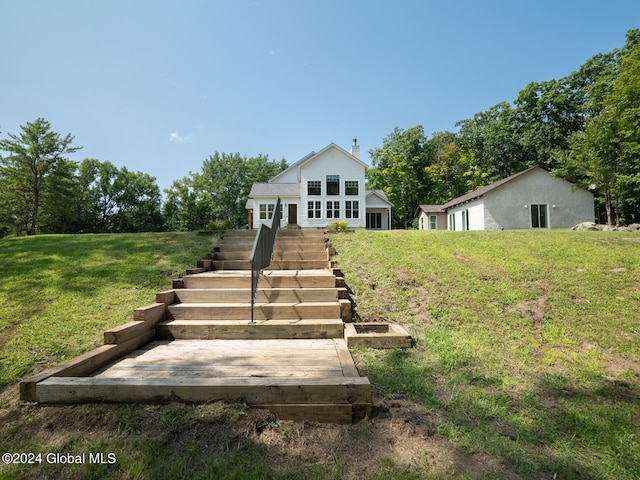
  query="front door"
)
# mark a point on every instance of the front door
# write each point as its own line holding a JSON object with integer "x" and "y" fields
{"x": 293, "y": 214}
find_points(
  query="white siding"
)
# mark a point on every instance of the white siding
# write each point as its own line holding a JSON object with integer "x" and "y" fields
{"x": 332, "y": 162}
{"x": 476, "y": 215}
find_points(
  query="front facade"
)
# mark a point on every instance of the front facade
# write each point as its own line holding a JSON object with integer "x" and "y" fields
{"x": 529, "y": 199}
{"x": 320, "y": 189}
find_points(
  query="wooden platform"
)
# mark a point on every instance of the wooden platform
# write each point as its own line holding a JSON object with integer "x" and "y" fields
{"x": 281, "y": 375}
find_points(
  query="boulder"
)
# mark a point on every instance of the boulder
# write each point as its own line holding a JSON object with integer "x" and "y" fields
{"x": 585, "y": 226}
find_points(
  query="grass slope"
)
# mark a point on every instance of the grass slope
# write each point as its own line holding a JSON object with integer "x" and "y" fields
{"x": 526, "y": 364}
{"x": 59, "y": 293}
{"x": 528, "y": 342}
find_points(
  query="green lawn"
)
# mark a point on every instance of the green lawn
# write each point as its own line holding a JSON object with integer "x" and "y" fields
{"x": 526, "y": 361}
{"x": 528, "y": 343}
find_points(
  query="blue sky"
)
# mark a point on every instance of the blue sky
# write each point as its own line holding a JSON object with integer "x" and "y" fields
{"x": 158, "y": 86}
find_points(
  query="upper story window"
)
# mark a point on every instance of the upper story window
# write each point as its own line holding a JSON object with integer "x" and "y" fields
{"x": 333, "y": 184}
{"x": 314, "y": 187}
{"x": 351, "y": 187}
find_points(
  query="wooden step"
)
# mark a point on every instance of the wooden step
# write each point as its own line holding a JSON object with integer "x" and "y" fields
{"x": 299, "y": 241}
{"x": 239, "y": 329}
{"x": 298, "y": 264}
{"x": 293, "y": 247}
{"x": 244, "y": 255}
{"x": 262, "y": 311}
{"x": 300, "y": 233}
{"x": 264, "y": 295}
{"x": 319, "y": 278}
{"x": 275, "y": 264}
{"x": 232, "y": 264}
{"x": 253, "y": 390}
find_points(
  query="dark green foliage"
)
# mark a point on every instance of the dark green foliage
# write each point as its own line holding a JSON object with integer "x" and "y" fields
{"x": 215, "y": 197}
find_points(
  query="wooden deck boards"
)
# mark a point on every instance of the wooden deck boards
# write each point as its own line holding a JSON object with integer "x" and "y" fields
{"x": 236, "y": 358}
{"x": 311, "y": 378}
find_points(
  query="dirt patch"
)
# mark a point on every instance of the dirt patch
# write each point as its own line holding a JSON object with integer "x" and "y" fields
{"x": 534, "y": 310}
{"x": 399, "y": 434}
{"x": 618, "y": 270}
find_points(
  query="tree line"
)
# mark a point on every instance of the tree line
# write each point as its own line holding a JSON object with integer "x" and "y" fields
{"x": 584, "y": 127}
{"x": 43, "y": 191}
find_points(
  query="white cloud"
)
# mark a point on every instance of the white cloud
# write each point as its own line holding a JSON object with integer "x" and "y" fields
{"x": 176, "y": 137}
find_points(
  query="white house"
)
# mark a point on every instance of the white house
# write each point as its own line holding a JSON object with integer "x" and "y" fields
{"x": 319, "y": 189}
{"x": 532, "y": 198}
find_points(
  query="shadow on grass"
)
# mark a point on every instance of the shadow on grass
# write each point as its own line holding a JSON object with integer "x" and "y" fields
{"x": 178, "y": 441}
{"x": 587, "y": 431}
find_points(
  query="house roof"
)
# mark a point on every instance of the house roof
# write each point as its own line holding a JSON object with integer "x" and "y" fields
{"x": 312, "y": 155}
{"x": 484, "y": 190}
{"x": 380, "y": 194}
{"x": 275, "y": 189}
{"x": 428, "y": 209}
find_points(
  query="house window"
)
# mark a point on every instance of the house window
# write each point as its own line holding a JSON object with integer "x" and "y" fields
{"x": 351, "y": 187}
{"x": 452, "y": 221}
{"x": 266, "y": 211}
{"x": 433, "y": 222}
{"x": 314, "y": 209}
{"x": 333, "y": 209}
{"x": 352, "y": 209}
{"x": 465, "y": 220}
{"x": 313, "y": 187}
{"x": 333, "y": 184}
{"x": 374, "y": 220}
{"x": 539, "y": 216}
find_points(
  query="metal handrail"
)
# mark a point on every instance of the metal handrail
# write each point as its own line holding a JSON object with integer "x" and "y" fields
{"x": 262, "y": 252}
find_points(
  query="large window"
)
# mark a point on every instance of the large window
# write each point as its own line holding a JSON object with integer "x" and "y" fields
{"x": 452, "y": 221}
{"x": 352, "y": 209}
{"x": 351, "y": 187}
{"x": 314, "y": 209}
{"x": 433, "y": 222}
{"x": 333, "y": 184}
{"x": 313, "y": 187}
{"x": 539, "y": 216}
{"x": 333, "y": 209}
{"x": 266, "y": 211}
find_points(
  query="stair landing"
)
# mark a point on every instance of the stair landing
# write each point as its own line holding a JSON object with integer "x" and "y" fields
{"x": 281, "y": 375}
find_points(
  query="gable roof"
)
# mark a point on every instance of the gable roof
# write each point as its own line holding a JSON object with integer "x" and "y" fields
{"x": 428, "y": 209}
{"x": 310, "y": 156}
{"x": 380, "y": 194}
{"x": 484, "y": 190}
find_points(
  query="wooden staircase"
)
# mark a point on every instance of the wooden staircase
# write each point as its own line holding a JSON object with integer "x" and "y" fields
{"x": 292, "y": 360}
